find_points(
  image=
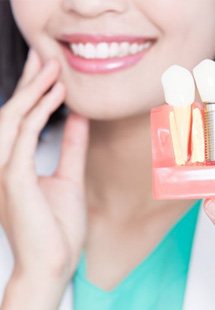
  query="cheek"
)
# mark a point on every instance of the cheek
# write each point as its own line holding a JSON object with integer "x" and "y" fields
{"x": 178, "y": 17}
{"x": 31, "y": 17}
{"x": 167, "y": 15}
{"x": 187, "y": 29}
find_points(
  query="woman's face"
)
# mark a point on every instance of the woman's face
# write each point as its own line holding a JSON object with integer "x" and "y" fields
{"x": 183, "y": 33}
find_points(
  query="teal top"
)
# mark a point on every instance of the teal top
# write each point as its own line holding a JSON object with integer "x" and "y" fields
{"x": 157, "y": 283}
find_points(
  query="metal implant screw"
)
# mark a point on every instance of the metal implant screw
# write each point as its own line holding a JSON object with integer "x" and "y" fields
{"x": 210, "y": 131}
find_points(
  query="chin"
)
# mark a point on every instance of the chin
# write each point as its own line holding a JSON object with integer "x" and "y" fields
{"x": 104, "y": 110}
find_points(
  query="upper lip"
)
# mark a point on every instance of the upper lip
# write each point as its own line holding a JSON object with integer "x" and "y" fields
{"x": 98, "y": 38}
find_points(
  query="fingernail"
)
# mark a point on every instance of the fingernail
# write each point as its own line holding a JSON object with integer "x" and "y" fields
{"x": 209, "y": 206}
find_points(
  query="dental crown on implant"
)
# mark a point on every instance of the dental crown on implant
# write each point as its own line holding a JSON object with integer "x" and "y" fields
{"x": 192, "y": 126}
{"x": 204, "y": 74}
{"x": 183, "y": 134}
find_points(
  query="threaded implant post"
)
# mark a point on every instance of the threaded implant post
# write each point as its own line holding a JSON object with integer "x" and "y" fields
{"x": 209, "y": 131}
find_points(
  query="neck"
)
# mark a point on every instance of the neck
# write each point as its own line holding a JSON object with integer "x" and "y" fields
{"x": 119, "y": 167}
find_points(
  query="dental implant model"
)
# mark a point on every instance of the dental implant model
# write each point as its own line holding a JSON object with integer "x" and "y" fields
{"x": 204, "y": 75}
{"x": 179, "y": 91}
{"x": 183, "y": 135}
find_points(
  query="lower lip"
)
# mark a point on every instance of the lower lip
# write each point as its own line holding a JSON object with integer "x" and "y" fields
{"x": 101, "y": 65}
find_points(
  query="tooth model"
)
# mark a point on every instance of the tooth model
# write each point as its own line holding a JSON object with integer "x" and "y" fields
{"x": 179, "y": 91}
{"x": 198, "y": 137}
{"x": 175, "y": 140}
{"x": 204, "y": 74}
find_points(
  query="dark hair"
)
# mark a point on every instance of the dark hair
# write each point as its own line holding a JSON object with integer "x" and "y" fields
{"x": 13, "y": 54}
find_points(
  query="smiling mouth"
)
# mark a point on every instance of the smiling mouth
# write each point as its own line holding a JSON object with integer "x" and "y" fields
{"x": 100, "y": 54}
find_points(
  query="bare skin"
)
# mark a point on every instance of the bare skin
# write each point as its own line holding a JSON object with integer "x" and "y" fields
{"x": 124, "y": 220}
{"x": 36, "y": 211}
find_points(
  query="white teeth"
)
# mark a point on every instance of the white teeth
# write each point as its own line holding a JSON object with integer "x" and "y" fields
{"x": 81, "y": 49}
{"x": 146, "y": 45}
{"x": 90, "y": 51}
{"x": 74, "y": 48}
{"x": 105, "y": 50}
{"x": 140, "y": 47}
{"x": 102, "y": 50}
{"x": 124, "y": 49}
{"x": 133, "y": 48}
{"x": 114, "y": 49}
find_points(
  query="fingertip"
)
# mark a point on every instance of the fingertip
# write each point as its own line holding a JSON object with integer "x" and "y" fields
{"x": 209, "y": 207}
{"x": 77, "y": 121}
{"x": 33, "y": 56}
{"x": 58, "y": 93}
{"x": 209, "y": 202}
{"x": 76, "y": 128}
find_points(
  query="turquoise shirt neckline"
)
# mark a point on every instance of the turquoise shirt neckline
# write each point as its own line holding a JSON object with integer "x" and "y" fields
{"x": 177, "y": 267}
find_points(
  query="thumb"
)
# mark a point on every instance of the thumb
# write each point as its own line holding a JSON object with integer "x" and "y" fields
{"x": 209, "y": 207}
{"x": 73, "y": 149}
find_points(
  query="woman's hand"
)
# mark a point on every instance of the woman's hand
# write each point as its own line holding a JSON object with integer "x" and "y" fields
{"x": 44, "y": 217}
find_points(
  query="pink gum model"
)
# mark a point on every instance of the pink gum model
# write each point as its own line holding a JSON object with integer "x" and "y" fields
{"x": 170, "y": 181}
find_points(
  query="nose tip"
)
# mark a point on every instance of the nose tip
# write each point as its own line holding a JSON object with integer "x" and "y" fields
{"x": 93, "y": 8}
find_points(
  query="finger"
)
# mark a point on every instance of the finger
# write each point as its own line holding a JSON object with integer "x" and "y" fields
{"x": 73, "y": 150}
{"x": 22, "y": 157}
{"x": 209, "y": 207}
{"x": 16, "y": 109}
{"x": 24, "y": 100}
{"x": 32, "y": 67}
